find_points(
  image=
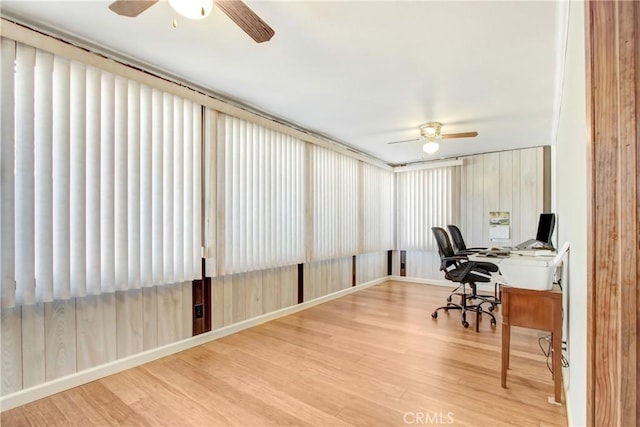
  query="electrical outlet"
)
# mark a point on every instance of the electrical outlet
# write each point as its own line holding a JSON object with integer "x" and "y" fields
{"x": 199, "y": 309}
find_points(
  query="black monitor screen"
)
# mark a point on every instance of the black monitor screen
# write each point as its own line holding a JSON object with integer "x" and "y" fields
{"x": 545, "y": 227}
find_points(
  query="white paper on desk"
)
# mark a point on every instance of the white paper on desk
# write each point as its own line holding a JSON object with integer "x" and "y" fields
{"x": 499, "y": 232}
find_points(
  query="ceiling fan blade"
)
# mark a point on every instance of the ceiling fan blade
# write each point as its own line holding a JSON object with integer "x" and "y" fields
{"x": 459, "y": 135}
{"x": 131, "y": 8}
{"x": 406, "y": 140}
{"x": 246, "y": 19}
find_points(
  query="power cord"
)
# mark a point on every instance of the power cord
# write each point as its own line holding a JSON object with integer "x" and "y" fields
{"x": 549, "y": 351}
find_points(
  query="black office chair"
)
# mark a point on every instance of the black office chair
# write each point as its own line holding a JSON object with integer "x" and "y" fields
{"x": 458, "y": 241}
{"x": 458, "y": 269}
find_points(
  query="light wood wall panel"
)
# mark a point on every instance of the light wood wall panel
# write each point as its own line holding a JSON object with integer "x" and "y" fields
{"x": 239, "y": 297}
{"x": 326, "y": 277}
{"x": 424, "y": 265}
{"x": 11, "y": 342}
{"x": 511, "y": 181}
{"x": 370, "y": 266}
{"x": 60, "y": 338}
{"x": 33, "y": 367}
{"x": 40, "y": 343}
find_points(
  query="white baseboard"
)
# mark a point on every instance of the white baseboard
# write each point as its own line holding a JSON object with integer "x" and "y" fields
{"x": 58, "y": 385}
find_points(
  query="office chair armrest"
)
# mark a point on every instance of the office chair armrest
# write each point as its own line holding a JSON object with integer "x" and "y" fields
{"x": 487, "y": 266}
{"x": 454, "y": 258}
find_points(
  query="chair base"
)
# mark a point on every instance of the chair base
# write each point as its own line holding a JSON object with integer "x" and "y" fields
{"x": 464, "y": 308}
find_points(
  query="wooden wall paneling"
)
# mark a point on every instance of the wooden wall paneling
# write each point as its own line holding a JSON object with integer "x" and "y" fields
{"x": 217, "y": 303}
{"x": 187, "y": 310}
{"x": 253, "y": 294}
{"x": 613, "y": 270}
{"x": 238, "y": 292}
{"x": 540, "y": 180}
{"x": 11, "y": 347}
{"x": 169, "y": 313}
{"x": 33, "y": 357}
{"x": 478, "y": 225}
{"x": 150, "y": 317}
{"x": 529, "y": 209}
{"x": 60, "y": 338}
{"x": 516, "y": 195}
{"x": 228, "y": 299}
{"x": 395, "y": 263}
{"x": 505, "y": 204}
{"x": 307, "y": 277}
{"x": 95, "y": 330}
{"x": 491, "y": 175}
{"x": 271, "y": 289}
{"x": 289, "y": 284}
{"x": 129, "y": 323}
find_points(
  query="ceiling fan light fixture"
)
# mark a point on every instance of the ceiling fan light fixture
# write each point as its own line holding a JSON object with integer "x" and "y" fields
{"x": 431, "y": 130}
{"x": 430, "y": 147}
{"x": 192, "y": 9}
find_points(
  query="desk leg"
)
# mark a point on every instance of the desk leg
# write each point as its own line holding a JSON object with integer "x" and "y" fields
{"x": 506, "y": 343}
{"x": 557, "y": 366}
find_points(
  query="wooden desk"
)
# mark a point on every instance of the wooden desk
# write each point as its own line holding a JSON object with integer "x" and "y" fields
{"x": 536, "y": 310}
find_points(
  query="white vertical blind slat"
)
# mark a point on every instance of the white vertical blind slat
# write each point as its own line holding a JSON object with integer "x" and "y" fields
{"x": 196, "y": 193}
{"x": 147, "y": 187}
{"x": 24, "y": 181}
{"x": 93, "y": 256}
{"x": 121, "y": 184}
{"x": 44, "y": 175}
{"x": 77, "y": 179}
{"x": 107, "y": 175}
{"x": 186, "y": 225}
{"x": 167, "y": 189}
{"x": 7, "y": 157}
{"x": 178, "y": 187}
{"x": 134, "y": 190}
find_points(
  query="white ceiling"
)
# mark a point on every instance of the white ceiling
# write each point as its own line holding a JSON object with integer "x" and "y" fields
{"x": 361, "y": 72}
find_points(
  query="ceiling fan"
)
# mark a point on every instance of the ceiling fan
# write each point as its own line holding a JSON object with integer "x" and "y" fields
{"x": 239, "y": 13}
{"x": 432, "y": 131}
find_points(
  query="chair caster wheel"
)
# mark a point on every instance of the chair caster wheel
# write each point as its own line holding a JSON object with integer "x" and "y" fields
{"x": 434, "y": 315}
{"x": 465, "y": 323}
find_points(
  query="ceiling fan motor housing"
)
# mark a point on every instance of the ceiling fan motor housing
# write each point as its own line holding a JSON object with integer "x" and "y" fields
{"x": 431, "y": 130}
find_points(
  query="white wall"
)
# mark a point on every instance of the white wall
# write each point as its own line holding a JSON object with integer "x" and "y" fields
{"x": 570, "y": 201}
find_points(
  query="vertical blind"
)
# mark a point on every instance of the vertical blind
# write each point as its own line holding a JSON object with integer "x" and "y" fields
{"x": 263, "y": 196}
{"x": 100, "y": 181}
{"x": 335, "y": 193}
{"x": 425, "y": 199}
{"x": 377, "y": 209}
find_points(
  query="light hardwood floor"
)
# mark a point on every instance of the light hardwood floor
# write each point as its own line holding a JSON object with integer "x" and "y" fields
{"x": 372, "y": 358}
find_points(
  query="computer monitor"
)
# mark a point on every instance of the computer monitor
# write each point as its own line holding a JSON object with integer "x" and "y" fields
{"x": 546, "y": 225}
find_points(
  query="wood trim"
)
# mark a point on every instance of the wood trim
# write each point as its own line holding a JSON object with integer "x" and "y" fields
{"x": 613, "y": 117}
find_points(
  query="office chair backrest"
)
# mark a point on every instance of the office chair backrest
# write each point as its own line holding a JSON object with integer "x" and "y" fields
{"x": 444, "y": 244}
{"x": 456, "y": 236}
{"x": 546, "y": 224}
